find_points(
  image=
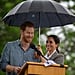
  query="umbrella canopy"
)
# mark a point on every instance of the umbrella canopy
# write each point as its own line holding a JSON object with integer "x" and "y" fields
{"x": 43, "y": 13}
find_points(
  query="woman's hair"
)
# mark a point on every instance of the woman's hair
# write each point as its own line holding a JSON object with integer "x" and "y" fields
{"x": 56, "y": 39}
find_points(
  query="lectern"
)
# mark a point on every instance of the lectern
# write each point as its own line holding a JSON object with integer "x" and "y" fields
{"x": 33, "y": 68}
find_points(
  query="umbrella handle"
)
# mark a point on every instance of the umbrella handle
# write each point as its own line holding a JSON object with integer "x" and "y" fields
{"x": 39, "y": 35}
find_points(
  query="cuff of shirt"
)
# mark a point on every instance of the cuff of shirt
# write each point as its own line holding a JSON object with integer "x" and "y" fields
{"x": 3, "y": 66}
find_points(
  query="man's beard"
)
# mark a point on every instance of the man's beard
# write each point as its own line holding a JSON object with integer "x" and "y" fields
{"x": 27, "y": 40}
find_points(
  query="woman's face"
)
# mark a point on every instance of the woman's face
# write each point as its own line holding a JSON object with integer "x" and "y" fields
{"x": 50, "y": 44}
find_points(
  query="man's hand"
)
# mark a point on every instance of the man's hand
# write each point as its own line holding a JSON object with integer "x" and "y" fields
{"x": 17, "y": 69}
{"x": 10, "y": 68}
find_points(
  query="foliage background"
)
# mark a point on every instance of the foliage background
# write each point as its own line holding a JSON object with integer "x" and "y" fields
{"x": 8, "y": 33}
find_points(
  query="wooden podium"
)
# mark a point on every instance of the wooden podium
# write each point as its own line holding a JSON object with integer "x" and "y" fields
{"x": 33, "y": 68}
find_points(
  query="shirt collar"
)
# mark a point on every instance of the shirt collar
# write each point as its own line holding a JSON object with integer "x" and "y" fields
{"x": 18, "y": 42}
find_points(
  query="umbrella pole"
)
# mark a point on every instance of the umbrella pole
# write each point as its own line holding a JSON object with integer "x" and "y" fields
{"x": 39, "y": 35}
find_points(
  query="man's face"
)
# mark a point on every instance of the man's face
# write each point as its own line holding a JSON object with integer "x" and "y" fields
{"x": 28, "y": 34}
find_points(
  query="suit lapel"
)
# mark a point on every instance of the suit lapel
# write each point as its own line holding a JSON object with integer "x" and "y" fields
{"x": 53, "y": 56}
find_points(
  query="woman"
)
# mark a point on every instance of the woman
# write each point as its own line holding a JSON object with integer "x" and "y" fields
{"x": 53, "y": 53}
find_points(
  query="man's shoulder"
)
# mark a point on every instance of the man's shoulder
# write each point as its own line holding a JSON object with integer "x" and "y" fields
{"x": 13, "y": 42}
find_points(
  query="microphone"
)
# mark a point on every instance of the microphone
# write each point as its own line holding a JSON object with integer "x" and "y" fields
{"x": 38, "y": 52}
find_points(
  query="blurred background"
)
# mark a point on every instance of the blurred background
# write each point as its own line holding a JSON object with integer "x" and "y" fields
{"x": 66, "y": 33}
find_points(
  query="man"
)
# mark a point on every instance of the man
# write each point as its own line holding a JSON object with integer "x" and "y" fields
{"x": 18, "y": 52}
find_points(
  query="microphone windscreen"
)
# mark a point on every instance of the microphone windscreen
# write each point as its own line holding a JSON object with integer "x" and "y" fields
{"x": 34, "y": 47}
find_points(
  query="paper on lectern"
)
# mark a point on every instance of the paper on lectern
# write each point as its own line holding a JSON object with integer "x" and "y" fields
{"x": 49, "y": 62}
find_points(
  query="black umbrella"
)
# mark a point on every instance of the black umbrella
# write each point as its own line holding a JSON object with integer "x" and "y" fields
{"x": 43, "y": 13}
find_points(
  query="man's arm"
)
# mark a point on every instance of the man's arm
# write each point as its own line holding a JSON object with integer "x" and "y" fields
{"x": 10, "y": 68}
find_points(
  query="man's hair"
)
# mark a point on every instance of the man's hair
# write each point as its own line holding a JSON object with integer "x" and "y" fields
{"x": 26, "y": 24}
